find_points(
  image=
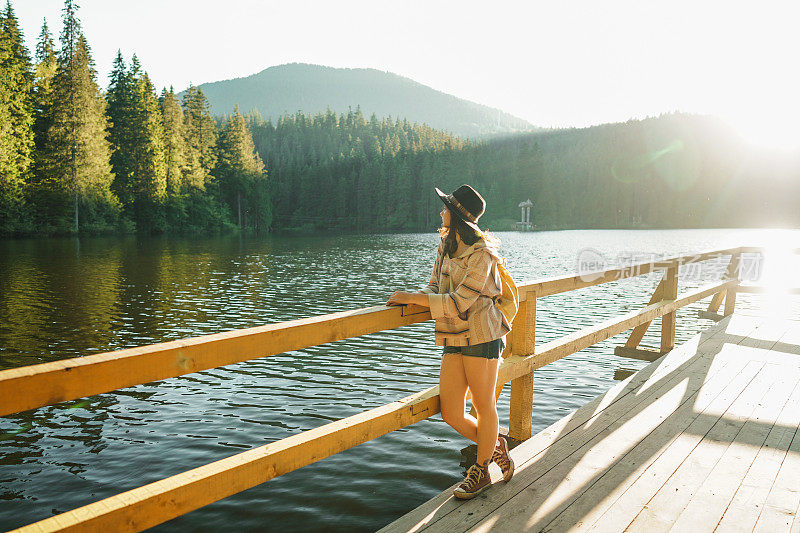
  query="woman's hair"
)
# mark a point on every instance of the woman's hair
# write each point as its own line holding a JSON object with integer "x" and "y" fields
{"x": 468, "y": 234}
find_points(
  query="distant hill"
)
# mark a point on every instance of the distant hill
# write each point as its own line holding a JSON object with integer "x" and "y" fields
{"x": 286, "y": 89}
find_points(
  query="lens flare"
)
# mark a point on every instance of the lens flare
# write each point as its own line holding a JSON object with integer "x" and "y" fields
{"x": 633, "y": 169}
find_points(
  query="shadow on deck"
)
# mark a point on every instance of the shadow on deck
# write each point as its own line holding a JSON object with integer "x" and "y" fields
{"x": 705, "y": 437}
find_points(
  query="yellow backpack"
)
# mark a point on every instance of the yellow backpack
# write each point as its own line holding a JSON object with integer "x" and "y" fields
{"x": 508, "y": 301}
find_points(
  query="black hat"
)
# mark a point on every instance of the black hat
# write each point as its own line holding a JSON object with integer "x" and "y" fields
{"x": 465, "y": 203}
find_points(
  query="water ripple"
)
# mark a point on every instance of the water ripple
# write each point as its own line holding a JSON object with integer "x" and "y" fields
{"x": 64, "y": 298}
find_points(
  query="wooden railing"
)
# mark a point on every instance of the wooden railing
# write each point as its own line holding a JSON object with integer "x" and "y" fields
{"x": 49, "y": 383}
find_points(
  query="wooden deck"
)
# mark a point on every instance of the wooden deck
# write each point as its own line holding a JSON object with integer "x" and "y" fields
{"x": 705, "y": 438}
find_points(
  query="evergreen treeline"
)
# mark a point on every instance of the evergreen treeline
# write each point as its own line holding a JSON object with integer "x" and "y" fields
{"x": 76, "y": 159}
{"x": 673, "y": 171}
{"x": 343, "y": 172}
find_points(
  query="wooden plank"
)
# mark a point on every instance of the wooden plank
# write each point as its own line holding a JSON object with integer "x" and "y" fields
{"x": 746, "y": 504}
{"x": 589, "y": 491}
{"x": 611, "y": 503}
{"x": 638, "y": 353}
{"x": 529, "y": 482}
{"x": 182, "y": 492}
{"x": 439, "y": 506}
{"x": 163, "y": 500}
{"x": 634, "y": 496}
{"x": 602, "y": 467}
{"x": 48, "y": 383}
{"x": 780, "y": 508}
{"x": 558, "y": 284}
{"x": 705, "y": 510}
{"x": 45, "y": 384}
{"x": 662, "y": 510}
{"x": 175, "y": 490}
{"x": 620, "y": 494}
{"x": 618, "y": 508}
{"x": 621, "y": 374}
{"x": 716, "y": 317}
{"x": 790, "y": 342}
{"x": 767, "y": 334}
{"x": 589, "y": 505}
{"x": 516, "y": 365}
{"x": 716, "y": 301}
{"x": 551, "y": 482}
{"x": 760, "y": 289}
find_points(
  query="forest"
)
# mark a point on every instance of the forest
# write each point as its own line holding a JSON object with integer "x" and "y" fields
{"x": 76, "y": 158}
{"x": 672, "y": 171}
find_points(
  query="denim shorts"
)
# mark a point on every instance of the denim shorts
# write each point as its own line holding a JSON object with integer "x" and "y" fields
{"x": 489, "y": 350}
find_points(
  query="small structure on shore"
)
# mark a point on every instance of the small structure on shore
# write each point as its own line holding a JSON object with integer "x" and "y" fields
{"x": 525, "y": 224}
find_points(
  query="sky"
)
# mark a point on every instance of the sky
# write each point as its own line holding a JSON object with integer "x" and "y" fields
{"x": 553, "y": 63}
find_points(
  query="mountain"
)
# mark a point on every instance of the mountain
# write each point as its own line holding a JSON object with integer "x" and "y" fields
{"x": 286, "y": 89}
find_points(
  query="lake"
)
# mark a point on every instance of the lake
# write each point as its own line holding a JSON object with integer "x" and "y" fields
{"x": 62, "y": 298}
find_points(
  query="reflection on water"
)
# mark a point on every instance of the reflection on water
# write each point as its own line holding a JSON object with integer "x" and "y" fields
{"x": 66, "y": 298}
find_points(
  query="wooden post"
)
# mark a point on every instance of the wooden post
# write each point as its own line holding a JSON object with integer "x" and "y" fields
{"x": 731, "y": 273}
{"x": 716, "y": 301}
{"x": 730, "y": 301}
{"x": 523, "y": 342}
{"x": 670, "y": 292}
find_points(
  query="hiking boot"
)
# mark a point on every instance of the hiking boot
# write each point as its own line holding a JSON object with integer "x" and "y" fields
{"x": 502, "y": 459}
{"x": 477, "y": 481}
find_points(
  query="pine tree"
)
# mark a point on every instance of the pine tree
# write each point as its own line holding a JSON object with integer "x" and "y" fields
{"x": 201, "y": 135}
{"x": 174, "y": 143}
{"x": 46, "y": 65}
{"x": 75, "y": 150}
{"x": 16, "y": 120}
{"x": 177, "y": 170}
{"x": 39, "y": 193}
{"x": 136, "y": 134}
{"x": 147, "y": 153}
{"x": 120, "y": 113}
{"x": 241, "y": 175}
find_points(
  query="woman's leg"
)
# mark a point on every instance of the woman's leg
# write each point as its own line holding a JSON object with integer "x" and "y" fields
{"x": 453, "y": 396}
{"x": 481, "y": 376}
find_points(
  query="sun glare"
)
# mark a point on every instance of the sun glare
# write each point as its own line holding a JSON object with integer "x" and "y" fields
{"x": 779, "y": 270}
{"x": 768, "y": 129}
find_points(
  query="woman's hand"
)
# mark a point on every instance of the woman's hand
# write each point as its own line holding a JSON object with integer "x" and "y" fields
{"x": 404, "y": 298}
{"x": 399, "y": 298}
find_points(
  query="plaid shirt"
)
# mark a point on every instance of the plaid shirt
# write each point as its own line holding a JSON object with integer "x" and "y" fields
{"x": 461, "y": 294}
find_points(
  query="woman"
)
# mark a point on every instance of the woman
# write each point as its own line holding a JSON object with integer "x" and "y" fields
{"x": 461, "y": 296}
